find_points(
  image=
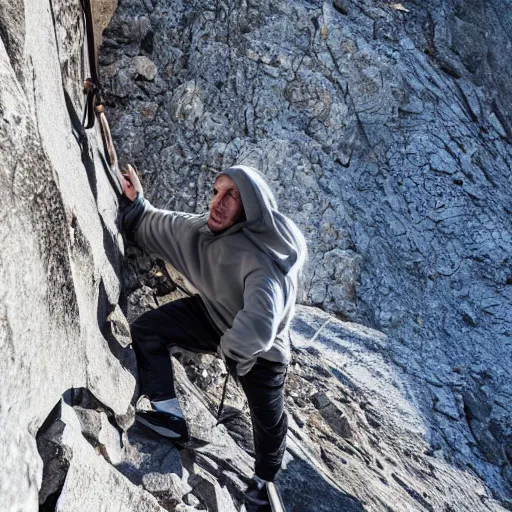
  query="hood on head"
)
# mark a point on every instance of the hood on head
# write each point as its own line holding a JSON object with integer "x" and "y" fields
{"x": 269, "y": 229}
{"x": 257, "y": 198}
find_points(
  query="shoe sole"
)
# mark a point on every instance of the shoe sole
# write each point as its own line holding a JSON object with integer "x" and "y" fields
{"x": 165, "y": 432}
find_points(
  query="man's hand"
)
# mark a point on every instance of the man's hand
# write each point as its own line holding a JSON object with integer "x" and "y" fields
{"x": 131, "y": 183}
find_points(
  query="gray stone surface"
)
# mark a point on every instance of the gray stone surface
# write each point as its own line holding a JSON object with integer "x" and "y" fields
{"x": 334, "y": 415}
{"x": 101, "y": 433}
{"x": 386, "y": 134}
{"x": 396, "y": 458}
{"x": 61, "y": 251}
{"x": 75, "y": 477}
{"x": 93, "y": 484}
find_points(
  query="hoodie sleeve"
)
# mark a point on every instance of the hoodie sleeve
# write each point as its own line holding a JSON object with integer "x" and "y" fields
{"x": 168, "y": 235}
{"x": 255, "y": 326}
{"x": 131, "y": 214}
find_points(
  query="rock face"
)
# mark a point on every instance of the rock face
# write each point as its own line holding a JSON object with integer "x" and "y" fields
{"x": 102, "y": 10}
{"x": 61, "y": 250}
{"x": 385, "y": 129}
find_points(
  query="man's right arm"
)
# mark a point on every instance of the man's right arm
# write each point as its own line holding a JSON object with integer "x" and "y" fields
{"x": 168, "y": 235}
{"x": 165, "y": 234}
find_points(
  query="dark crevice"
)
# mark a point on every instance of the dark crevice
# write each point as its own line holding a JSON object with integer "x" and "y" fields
{"x": 55, "y": 462}
{"x": 413, "y": 493}
{"x": 449, "y": 70}
{"x": 340, "y": 7}
{"x": 147, "y": 43}
{"x": 51, "y": 502}
{"x": 50, "y": 420}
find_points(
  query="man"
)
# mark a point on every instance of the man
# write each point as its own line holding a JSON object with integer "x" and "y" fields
{"x": 244, "y": 258}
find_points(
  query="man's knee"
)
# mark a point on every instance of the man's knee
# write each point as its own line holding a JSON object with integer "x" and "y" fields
{"x": 141, "y": 328}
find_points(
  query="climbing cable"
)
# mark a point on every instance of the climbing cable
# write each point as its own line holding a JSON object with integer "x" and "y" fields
{"x": 95, "y": 103}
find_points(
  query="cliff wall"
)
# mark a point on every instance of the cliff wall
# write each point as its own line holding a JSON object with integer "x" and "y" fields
{"x": 385, "y": 129}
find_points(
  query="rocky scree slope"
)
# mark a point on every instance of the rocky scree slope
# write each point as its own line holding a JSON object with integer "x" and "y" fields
{"x": 385, "y": 131}
{"x": 363, "y": 434}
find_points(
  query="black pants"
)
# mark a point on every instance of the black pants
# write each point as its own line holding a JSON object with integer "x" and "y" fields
{"x": 185, "y": 323}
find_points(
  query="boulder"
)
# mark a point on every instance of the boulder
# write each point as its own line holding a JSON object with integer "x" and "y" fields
{"x": 80, "y": 476}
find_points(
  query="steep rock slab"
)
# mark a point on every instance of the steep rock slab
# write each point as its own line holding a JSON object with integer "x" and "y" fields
{"x": 361, "y": 432}
{"x": 393, "y": 457}
{"x": 60, "y": 253}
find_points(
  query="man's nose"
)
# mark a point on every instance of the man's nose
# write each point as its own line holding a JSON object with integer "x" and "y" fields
{"x": 221, "y": 203}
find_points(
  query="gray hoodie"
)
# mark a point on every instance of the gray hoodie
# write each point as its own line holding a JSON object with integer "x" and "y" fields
{"x": 246, "y": 275}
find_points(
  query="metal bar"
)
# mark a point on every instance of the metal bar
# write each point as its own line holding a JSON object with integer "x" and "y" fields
{"x": 276, "y": 503}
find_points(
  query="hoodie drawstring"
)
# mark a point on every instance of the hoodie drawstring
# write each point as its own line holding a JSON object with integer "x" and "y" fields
{"x": 221, "y": 405}
{"x": 230, "y": 415}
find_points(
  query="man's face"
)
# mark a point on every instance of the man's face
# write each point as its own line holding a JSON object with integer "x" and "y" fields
{"x": 225, "y": 205}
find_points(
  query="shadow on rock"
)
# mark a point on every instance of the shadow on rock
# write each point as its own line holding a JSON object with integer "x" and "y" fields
{"x": 303, "y": 489}
{"x": 83, "y": 142}
{"x": 148, "y": 457}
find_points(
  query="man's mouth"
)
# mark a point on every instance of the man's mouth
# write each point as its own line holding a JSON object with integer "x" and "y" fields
{"x": 215, "y": 217}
